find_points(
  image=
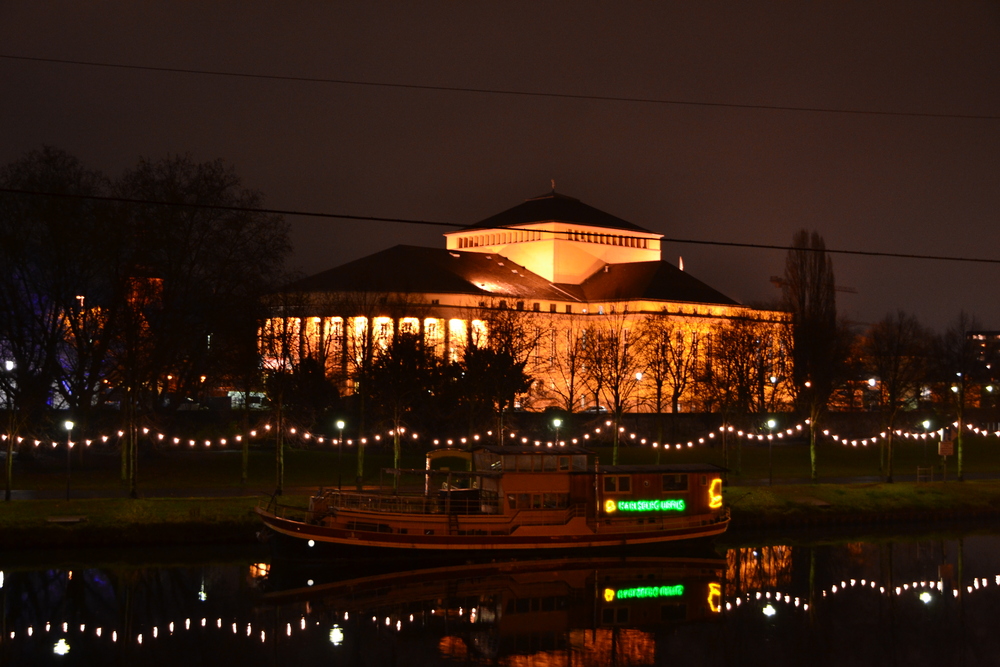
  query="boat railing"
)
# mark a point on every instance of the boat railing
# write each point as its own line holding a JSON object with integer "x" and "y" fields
{"x": 405, "y": 503}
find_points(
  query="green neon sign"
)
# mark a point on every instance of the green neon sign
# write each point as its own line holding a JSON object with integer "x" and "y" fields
{"x": 644, "y": 592}
{"x": 671, "y": 505}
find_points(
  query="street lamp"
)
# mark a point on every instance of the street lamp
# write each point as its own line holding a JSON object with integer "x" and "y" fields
{"x": 770, "y": 444}
{"x": 638, "y": 379}
{"x": 557, "y": 423}
{"x": 69, "y": 450}
{"x": 340, "y": 452}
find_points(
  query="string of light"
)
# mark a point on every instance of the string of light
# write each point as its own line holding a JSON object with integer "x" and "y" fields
{"x": 922, "y": 589}
{"x": 515, "y": 438}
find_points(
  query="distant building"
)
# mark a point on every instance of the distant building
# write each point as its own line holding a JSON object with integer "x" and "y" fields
{"x": 987, "y": 346}
{"x": 564, "y": 265}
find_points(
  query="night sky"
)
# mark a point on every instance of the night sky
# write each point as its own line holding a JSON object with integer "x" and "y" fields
{"x": 891, "y": 183}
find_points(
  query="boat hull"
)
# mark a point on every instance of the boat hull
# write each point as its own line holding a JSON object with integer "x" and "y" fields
{"x": 690, "y": 528}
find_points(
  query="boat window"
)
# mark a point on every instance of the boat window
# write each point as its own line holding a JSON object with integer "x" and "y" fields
{"x": 536, "y": 501}
{"x": 524, "y": 462}
{"x": 580, "y": 462}
{"x": 509, "y": 462}
{"x": 523, "y": 501}
{"x": 676, "y": 482}
{"x": 556, "y": 500}
{"x": 548, "y": 463}
{"x": 621, "y": 484}
{"x": 512, "y": 501}
{"x": 564, "y": 463}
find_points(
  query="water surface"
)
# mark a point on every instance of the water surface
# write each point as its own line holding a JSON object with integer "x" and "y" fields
{"x": 905, "y": 601}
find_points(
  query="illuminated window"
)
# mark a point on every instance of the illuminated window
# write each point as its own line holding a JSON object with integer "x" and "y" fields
{"x": 383, "y": 332}
{"x": 409, "y": 325}
{"x": 433, "y": 336}
{"x": 457, "y": 338}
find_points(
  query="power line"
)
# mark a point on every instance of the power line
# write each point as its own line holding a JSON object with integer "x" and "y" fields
{"x": 456, "y": 225}
{"x": 503, "y": 91}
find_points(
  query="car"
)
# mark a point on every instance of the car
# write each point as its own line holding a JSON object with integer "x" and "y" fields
{"x": 596, "y": 409}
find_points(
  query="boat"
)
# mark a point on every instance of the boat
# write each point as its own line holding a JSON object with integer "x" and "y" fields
{"x": 508, "y": 499}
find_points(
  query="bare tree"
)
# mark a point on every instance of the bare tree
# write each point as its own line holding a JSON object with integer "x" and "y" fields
{"x": 672, "y": 348}
{"x": 749, "y": 364}
{"x": 51, "y": 247}
{"x": 567, "y": 361}
{"x": 895, "y": 352}
{"x": 615, "y": 354}
{"x": 958, "y": 364}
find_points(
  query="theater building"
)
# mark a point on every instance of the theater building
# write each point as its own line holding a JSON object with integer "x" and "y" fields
{"x": 559, "y": 266}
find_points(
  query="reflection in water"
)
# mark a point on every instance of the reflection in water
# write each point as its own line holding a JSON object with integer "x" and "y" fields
{"x": 888, "y": 603}
{"x": 552, "y": 612}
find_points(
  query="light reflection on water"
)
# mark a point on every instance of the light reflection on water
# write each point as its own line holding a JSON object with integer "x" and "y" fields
{"x": 912, "y": 601}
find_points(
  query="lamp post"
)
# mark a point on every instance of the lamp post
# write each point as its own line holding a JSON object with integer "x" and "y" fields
{"x": 638, "y": 379}
{"x": 770, "y": 441}
{"x": 557, "y": 423}
{"x": 69, "y": 450}
{"x": 927, "y": 427}
{"x": 340, "y": 452}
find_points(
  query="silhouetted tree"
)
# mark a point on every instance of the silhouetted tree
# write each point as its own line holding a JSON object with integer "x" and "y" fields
{"x": 895, "y": 353}
{"x": 51, "y": 249}
{"x": 956, "y": 361}
{"x": 615, "y": 353}
{"x": 402, "y": 379}
{"x": 818, "y": 343}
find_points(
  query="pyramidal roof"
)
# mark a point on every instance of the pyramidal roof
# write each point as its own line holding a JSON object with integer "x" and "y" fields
{"x": 405, "y": 269}
{"x": 558, "y": 208}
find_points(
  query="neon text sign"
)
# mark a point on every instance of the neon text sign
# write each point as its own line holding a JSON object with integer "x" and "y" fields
{"x": 662, "y": 505}
{"x": 610, "y": 594}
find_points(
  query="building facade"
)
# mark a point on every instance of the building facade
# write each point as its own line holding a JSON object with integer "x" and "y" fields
{"x": 601, "y": 319}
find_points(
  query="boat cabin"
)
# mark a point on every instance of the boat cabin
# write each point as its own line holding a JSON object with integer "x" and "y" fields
{"x": 508, "y": 480}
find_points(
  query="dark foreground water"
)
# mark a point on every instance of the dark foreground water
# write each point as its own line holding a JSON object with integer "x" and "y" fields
{"x": 903, "y": 601}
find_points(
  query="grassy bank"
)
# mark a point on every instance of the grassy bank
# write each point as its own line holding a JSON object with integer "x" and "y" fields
{"x": 120, "y": 521}
{"x": 825, "y": 504}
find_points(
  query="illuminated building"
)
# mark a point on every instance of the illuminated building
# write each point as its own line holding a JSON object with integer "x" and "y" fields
{"x": 557, "y": 264}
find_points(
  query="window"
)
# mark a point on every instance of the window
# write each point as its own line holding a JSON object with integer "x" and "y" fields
{"x": 676, "y": 482}
{"x": 552, "y": 307}
{"x": 619, "y": 484}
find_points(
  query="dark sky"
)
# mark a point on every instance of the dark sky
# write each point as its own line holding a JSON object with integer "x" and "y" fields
{"x": 864, "y": 181}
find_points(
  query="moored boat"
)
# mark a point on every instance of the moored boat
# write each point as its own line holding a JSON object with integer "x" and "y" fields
{"x": 511, "y": 499}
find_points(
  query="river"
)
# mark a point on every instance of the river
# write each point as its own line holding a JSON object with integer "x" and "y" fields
{"x": 925, "y": 600}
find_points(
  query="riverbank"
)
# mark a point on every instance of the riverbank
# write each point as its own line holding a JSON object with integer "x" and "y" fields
{"x": 113, "y": 522}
